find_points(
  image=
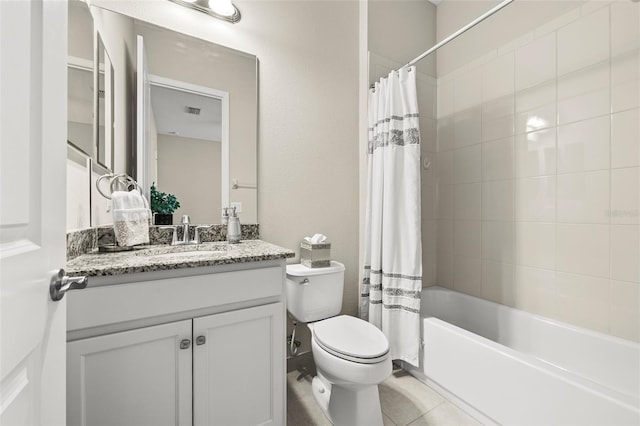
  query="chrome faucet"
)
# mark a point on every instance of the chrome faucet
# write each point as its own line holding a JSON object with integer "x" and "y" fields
{"x": 185, "y": 229}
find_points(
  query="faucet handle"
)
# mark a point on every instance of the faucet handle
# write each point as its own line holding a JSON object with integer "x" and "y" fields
{"x": 174, "y": 237}
{"x": 196, "y": 237}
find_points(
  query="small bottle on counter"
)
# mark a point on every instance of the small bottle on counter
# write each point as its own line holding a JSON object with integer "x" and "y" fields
{"x": 233, "y": 228}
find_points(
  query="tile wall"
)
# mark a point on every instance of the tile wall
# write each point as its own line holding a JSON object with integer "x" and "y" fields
{"x": 538, "y": 171}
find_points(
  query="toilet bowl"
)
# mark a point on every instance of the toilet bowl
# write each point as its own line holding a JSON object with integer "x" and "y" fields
{"x": 351, "y": 355}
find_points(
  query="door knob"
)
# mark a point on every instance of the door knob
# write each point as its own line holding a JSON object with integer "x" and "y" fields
{"x": 61, "y": 283}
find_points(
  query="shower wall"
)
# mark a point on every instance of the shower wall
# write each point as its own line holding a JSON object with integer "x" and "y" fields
{"x": 538, "y": 165}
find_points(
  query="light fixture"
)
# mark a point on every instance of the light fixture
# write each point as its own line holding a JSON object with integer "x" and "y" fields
{"x": 221, "y": 9}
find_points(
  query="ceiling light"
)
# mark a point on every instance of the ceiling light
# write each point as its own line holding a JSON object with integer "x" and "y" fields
{"x": 221, "y": 9}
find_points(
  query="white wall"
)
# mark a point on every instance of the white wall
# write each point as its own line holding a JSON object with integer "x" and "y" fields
{"x": 539, "y": 166}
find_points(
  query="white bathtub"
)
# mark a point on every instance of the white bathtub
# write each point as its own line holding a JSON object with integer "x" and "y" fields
{"x": 510, "y": 367}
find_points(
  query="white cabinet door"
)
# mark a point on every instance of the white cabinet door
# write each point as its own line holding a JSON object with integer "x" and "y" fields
{"x": 239, "y": 373}
{"x": 138, "y": 377}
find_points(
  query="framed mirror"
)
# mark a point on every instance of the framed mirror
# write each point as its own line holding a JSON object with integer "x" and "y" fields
{"x": 221, "y": 174}
{"x": 199, "y": 126}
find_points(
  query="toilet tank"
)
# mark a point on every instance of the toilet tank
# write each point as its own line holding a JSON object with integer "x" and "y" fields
{"x": 314, "y": 293}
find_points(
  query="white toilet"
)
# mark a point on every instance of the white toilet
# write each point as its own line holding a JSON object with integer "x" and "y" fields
{"x": 351, "y": 355}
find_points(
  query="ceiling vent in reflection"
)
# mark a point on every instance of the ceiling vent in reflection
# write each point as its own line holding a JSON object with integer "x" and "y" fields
{"x": 221, "y": 9}
{"x": 192, "y": 110}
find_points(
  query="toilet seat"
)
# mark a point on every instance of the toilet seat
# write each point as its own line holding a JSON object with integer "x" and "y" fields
{"x": 351, "y": 339}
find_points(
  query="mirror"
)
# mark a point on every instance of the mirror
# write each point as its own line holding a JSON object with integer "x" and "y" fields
{"x": 206, "y": 172}
{"x": 201, "y": 128}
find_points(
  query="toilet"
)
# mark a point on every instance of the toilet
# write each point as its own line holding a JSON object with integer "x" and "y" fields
{"x": 351, "y": 355}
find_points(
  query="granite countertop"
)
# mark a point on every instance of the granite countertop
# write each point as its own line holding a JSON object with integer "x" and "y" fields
{"x": 165, "y": 257}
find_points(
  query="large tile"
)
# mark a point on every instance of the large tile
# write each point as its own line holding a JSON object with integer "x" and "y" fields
{"x": 445, "y": 236}
{"x": 445, "y": 167}
{"x": 446, "y": 107}
{"x": 625, "y": 310}
{"x": 445, "y": 203}
{"x": 468, "y": 90}
{"x": 498, "y": 118}
{"x": 625, "y": 253}
{"x": 497, "y": 159}
{"x": 625, "y": 81}
{"x": 498, "y": 241}
{"x": 536, "y": 108}
{"x": 584, "y": 197}
{"x": 467, "y": 239}
{"x": 468, "y": 127}
{"x": 404, "y": 399}
{"x": 445, "y": 414}
{"x": 498, "y": 200}
{"x": 535, "y": 153}
{"x": 468, "y": 164}
{"x": 444, "y": 271}
{"x": 584, "y": 145}
{"x": 467, "y": 275}
{"x": 468, "y": 203}
{"x": 535, "y": 199}
{"x": 583, "y": 300}
{"x": 625, "y": 139}
{"x": 584, "y": 42}
{"x": 498, "y": 282}
{"x": 535, "y": 244}
{"x": 535, "y": 62}
{"x": 583, "y": 249}
{"x": 535, "y": 290}
{"x": 498, "y": 77}
{"x": 584, "y": 94}
{"x": 445, "y": 133}
{"x": 625, "y": 27}
{"x": 625, "y": 196}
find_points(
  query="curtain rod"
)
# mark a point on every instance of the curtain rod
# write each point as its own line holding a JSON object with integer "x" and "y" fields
{"x": 460, "y": 31}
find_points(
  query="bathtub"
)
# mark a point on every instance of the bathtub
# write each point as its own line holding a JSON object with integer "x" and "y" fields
{"x": 507, "y": 366}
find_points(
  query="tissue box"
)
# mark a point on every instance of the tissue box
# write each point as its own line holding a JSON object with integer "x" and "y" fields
{"x": 315, "y": 255}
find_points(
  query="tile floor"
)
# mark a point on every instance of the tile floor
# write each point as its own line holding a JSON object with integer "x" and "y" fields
{"x": 405, "y": 401}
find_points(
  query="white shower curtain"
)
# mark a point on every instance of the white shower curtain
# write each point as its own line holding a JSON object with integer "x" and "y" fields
{"x": 390, "y": 297}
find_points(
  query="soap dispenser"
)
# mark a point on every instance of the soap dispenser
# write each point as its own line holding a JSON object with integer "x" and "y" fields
{"x": 233, "y": 228}
{"x": 225, "y": 216}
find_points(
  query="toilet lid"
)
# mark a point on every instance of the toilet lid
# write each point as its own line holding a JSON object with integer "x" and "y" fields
{"x": 352, "y": 339}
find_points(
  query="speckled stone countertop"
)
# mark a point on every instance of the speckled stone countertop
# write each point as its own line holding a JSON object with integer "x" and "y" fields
{"x": 166, "y": 257}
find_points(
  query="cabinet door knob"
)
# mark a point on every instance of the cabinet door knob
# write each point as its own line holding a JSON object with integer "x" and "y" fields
{"x": 201, "y": 340}
{"x": 185, "y": 344}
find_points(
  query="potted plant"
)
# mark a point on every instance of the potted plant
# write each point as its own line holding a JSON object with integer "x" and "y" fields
{"x": 163, "y": 205}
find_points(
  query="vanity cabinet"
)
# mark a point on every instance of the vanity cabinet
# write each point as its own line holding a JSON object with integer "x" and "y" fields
{"x": 211, "y": 355}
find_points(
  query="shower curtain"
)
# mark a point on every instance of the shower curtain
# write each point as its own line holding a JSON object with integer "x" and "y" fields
{"x": 392, "y": 280}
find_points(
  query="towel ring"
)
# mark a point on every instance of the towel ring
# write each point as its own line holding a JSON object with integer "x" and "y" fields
{"x": 119, "y": 179}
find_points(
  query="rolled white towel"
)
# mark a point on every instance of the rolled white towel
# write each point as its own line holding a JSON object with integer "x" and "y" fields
{"x": 130, "y": 217}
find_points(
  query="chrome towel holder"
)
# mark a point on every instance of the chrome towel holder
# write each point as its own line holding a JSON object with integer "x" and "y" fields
{"x": 119, "y": 182}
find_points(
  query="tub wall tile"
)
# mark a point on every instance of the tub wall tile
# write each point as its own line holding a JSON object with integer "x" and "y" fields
{"x": 541, "y": 148}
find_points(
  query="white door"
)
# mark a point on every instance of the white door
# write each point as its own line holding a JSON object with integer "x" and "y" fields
{"x": 238, "y": 367}
{"x": 33, "y": 83}
{"x": 136, "y": 377}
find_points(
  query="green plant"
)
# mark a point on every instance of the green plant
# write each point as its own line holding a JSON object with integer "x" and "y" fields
{"x": 163, "y": 203}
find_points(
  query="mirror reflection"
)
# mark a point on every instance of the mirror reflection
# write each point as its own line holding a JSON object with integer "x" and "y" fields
{"x": 208, "y": 160}
{"x": 203, "y": 124}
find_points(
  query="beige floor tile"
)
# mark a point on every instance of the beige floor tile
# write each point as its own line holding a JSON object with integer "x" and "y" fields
{"x": 445, "y": 414}
{"x": 404, "y": 398}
